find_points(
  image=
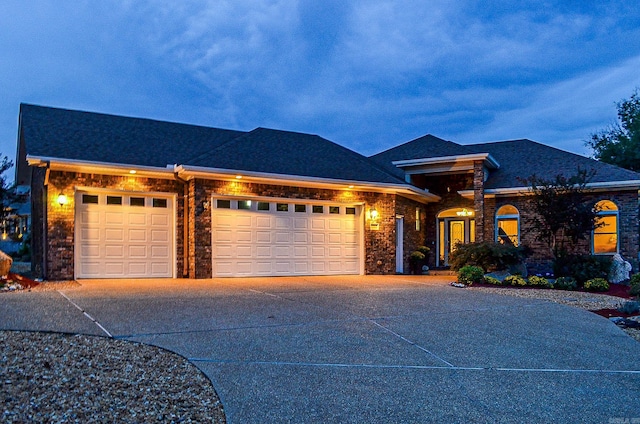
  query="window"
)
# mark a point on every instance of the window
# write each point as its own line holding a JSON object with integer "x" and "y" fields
{"x": 417, "y": 219}
{"x": 263, "y": 206}
{"x": 114, "y": 200}
{"x": 282, "y": 207}
{"x": 244, "y": 204}
{"x": 605, "y": 236}
{"x": 300, "y": 208}
{"x": 317, "y": 209}
{"x": 350, "y": 211}
{"x": 223, "y": 204}
{"x": 89, "y": 198}
{"x": 334, "y": 209}
{"x": 136, "y": 201}
{"x": 508, "y": 225}
{"x": 159, "y": 203}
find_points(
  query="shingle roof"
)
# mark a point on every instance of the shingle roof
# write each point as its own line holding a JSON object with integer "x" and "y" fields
{"x": 96, "y": 137}
{"x": 522, "y": 158}
{"x": 292, "y": 153}
{"x": 427, "y": 146}
{"x": 517, "y": 159}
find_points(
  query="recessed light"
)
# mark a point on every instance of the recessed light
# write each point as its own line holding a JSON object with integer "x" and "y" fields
{"x": 238, "y": 177}
{"x": 133, "y": 171}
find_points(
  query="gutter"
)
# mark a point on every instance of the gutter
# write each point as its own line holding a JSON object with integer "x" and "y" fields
{"x": 525, "y": 191}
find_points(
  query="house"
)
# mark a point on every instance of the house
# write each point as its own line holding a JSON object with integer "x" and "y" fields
{"x": 122, "y": 197}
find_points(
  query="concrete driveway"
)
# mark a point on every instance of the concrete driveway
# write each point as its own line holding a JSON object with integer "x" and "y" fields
{"x": 393, "y": 349}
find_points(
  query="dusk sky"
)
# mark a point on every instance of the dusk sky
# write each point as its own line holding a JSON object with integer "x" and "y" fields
{"x": 366, "y": 74}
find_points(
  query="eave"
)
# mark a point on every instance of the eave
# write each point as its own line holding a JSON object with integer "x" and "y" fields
{"x": 446, "y": 164}
{"x": 188, "y": 172}
{"x": 91, "y": 167}
{"x": 526, "y": 191}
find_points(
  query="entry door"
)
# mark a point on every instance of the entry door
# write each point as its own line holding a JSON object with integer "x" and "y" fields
{"x": 453, "y": 231}
{"x": 399, "y": 245}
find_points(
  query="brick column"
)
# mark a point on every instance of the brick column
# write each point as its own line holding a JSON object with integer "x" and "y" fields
{"x": 478, "y": 198}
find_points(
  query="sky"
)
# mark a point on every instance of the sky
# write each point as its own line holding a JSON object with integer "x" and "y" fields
{"x": 368, "y": 75}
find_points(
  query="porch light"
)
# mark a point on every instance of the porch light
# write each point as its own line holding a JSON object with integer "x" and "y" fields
{"x": 62, "y": 199}
{"x": 373, "y": 213}
{"x": 464, "y": 212}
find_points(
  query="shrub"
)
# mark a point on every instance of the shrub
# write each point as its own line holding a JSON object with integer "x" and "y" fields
{"x": 582, "y": 267}
{"x": 596, "y": 284}
{"x": 539, "y": 282}
{"x": 424, "y": 250}
{"x": 565, "y": 283}
{"x": 470, "y": 274}
{"x": 493, "y": 281}
{"x": 490, "y": 256}
{"x": 635, "y": 285}
{"x": 631, "y": 307}
{"x": 515, "y": 280}
{"x": 416, "y": 256}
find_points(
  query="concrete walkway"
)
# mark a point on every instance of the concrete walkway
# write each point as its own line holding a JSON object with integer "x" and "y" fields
{"x": 393, "y": 349}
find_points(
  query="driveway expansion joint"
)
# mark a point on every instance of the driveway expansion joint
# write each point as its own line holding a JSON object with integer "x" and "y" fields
{"x": 86, "y": 314}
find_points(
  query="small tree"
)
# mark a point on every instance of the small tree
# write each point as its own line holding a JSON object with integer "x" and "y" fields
{"x": 562, "y": 214}
{"x": 620, "y": 144}
{"x": 6, "y": 191}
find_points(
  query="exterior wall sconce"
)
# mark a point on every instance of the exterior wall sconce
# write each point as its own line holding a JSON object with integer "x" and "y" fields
{"x": 464, "y": 212}
{"x": 374, "y": 215}
{"x": 62, "y": 199}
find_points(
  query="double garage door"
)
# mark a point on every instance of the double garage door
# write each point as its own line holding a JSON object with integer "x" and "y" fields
{"x": 270, "y": 238}
{"x": 120, "y": 235}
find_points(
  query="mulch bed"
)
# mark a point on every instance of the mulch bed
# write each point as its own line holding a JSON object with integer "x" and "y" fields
{"x": 25, "y": 282}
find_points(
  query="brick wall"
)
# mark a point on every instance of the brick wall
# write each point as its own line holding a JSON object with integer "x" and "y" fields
{"x": 60, "y": 229}
{"x": 412, "y": 237}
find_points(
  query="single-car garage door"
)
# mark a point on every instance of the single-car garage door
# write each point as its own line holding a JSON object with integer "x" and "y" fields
{"x": 280, "y": 237}
{"x": 124, "y": 235}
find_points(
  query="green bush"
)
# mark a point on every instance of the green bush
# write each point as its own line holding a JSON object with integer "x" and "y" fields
{"x": 565, "y": 283}
{"x": 631, "y": 307}
{"x": 490, "y": 256}
{"x": 470, "y": 274}
{"x": 493, "y": 281}
{"x": 635, "y": 285}
{"x": 515, "y": 280}
{"x": 416, "y": 256}
{"x": 582, "y": 267}
{"x": 539, "y": 282}
{"x": 596, "y": 284}
{"x": 423, "y": 249}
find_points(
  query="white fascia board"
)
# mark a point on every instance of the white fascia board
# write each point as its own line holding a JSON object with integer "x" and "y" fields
{"x": 524, "y": 191}
{"x": 486, "y": 157}
{"x": 189, "y": 172}
{"x": 92, "y": 167}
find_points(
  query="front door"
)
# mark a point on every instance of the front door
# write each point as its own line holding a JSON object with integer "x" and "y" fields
{"x": 453, "y": 232}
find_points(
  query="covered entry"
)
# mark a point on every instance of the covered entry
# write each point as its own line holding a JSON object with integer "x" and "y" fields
{"x": 268, "y": 237}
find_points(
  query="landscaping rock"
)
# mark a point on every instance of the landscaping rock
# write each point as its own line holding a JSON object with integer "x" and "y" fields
{"x": 619, "y": 269}
{"x": 5, "y": 264}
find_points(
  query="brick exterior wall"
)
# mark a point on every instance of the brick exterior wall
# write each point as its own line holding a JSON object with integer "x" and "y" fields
{"x": 412, "y": 237}
{"x": 59, "y": 229}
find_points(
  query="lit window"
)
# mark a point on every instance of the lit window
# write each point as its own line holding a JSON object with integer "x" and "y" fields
{"x": 605, "y": 236}
{"x": 508, "y": 225}
{"x": 417, "y": 219}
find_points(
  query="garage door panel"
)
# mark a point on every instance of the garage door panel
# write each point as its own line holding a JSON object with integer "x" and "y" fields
{"x": 117, "y": 240}
{"x": 294, "y": 240}
{"x": 113, "y": 234}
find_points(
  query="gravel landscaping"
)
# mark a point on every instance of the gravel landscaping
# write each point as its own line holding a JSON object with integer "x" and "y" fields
{"x": 51, "y": 377}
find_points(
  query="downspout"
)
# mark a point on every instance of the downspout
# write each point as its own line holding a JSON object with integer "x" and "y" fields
{"x": 185, "y": 226}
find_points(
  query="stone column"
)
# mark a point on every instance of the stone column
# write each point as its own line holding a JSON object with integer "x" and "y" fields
{"x": 478, "y": 198}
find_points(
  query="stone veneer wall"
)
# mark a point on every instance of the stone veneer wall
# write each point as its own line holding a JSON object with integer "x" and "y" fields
{"x": 379, "y": 246}
{"x": 540, "y": 261}
{"x": 60, "y": 229}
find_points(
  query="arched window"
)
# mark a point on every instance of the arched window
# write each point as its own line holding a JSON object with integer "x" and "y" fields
{"x": 508, "y": 225}
{"x": 605, "y": 236}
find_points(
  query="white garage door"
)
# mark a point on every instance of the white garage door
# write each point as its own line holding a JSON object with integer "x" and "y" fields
{"x": 124, "y": 235}
{"x": 270, "y": 238}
